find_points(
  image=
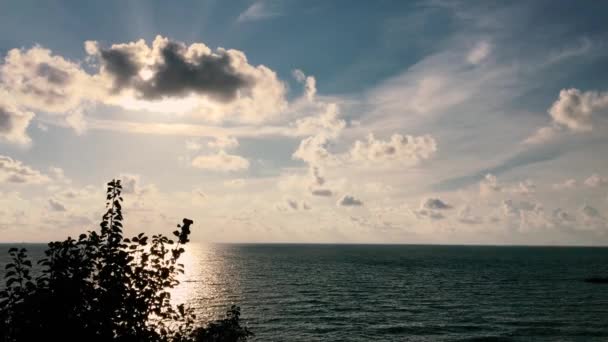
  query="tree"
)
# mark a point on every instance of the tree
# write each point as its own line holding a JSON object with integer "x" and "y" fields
{"x": 103, "y": 287}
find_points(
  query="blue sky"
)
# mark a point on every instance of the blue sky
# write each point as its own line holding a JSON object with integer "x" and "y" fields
{"x": 308, "y": 121}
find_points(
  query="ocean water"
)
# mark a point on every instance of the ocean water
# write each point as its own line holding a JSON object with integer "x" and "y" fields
{"x": 400, "y": 293}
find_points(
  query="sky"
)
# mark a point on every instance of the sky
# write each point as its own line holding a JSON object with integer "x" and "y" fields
{"x": 424, "y": 122}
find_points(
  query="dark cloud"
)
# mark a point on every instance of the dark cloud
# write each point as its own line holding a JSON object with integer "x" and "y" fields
{"x": 349, "y": 201}
{"x": 175, "y": 75}
{"x": 55, "y": 205}
{"x": 434, "y": 204}
{"x": 6, "y": 121}
{"x": 52, "y": 74}
{"x": 321, "y": 192}
{"x": 121, "y": 65}
{"x": 13, "y": 124}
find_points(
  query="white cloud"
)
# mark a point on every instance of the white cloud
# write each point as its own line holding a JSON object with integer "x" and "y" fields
{"x": 14, "y": 171}
{"x": 595, "y": 181}
{"x": 309, "y": 82}
{"x": 574, "y": 108}
{"x": 466, "y": 216}
{"x": 235, "y": 183}
{"x": 326, "y": 123}
{"x": 38, "y": 80}
{"x": 402, "y": 149}
{"x": 259, "y": 10}
{"x": 221, "y": 161}
{"x": 567, "y": 184}
{"x": 573, "y": 111}
{"x": 224, "y": 143}
{"x": 489, "y": 185}
{"x": 479, "y": 53}
{"x": 313, "y": 150}
{"x": 193, "y": 145}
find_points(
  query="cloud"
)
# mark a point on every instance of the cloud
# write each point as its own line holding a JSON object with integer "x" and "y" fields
{"x": 434, "y": 204}
{"x": 465, "y": 216}
{"x": 309, "y": 82}
{"x": 224, "y": 142}
{"x": 292, "y": 205}
{"x": 313, "y": 150}
{"x": 489, "y": 185}
{"x": 595, "y": 181}
{"x": 217, "y": 85}
{"x": 544, "y": 134}
{"x": 567, "y": 184}
{"x": 479, "y": 53}
{"x": 132, "y": 184}
{"x": 13, "y": 122}
{"x": 317, "y": 181}
{"x": 321, "y": 192}
{"x": 55, "y": 205}
{"x": 573, "y": 111}
{"x": 172, "y": 69}
{"x": 14, "y": 171}
{"x": 38, "y": 80}
{"x": 193, "y": 145}
{"x": 590, "y": 213}
{"x": 221, "y": 161}
{"x": 235, "y": 183}
{"x": 349, "y": 201}
{"x": 164, "y": 77}
{"x": 431, "y": 208}
{"x": 399, "y": 150}
{"x": 406, "y": 149}
{"x": 259, "y": 10}
{"x": 327, "y": 123}
{"x": 561, "y": 217}
{"x": 510, "y": 207}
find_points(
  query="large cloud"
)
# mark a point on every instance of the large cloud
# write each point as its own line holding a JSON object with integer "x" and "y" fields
{"x": 399, "y": 149}
{"x": 217, "y": 85}
{"x": 14, "y": 171}
{"x": 167, "y": 77}
{"x": 573, "y": 111}
{"x": 38, "y": 80}
{"x": 406, "y": 149}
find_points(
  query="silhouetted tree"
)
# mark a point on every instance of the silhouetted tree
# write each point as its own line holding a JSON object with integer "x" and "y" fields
{"x": 103, "y": 287}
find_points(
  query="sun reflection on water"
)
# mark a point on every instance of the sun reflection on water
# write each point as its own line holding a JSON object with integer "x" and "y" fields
{"x": 205, "y": 286}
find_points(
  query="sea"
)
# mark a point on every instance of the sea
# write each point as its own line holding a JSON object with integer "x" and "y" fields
{"x": 309, "y": 292}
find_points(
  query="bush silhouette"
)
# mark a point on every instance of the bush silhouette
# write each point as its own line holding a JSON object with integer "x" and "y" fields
{"x": 103, "y": 287}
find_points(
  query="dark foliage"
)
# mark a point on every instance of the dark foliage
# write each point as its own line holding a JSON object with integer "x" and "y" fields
{"x": 103, "y": 287}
